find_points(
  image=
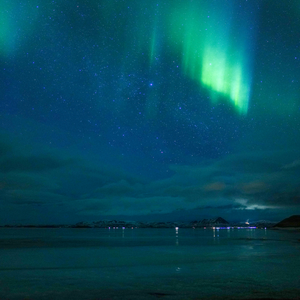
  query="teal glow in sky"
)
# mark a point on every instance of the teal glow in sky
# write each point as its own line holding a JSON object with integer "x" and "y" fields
{"x": 217, "y": 48}
{"x": 17, "y": 20}
{"x": 149, "y": 110}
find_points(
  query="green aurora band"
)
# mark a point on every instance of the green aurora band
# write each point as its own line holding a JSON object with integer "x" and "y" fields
{"x": 214, "y": 45}
{"x": 212, "y": 37}
{"x": 17, "y": 21}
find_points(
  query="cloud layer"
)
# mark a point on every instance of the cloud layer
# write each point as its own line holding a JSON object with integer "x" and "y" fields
{"x": 246, "y": 181}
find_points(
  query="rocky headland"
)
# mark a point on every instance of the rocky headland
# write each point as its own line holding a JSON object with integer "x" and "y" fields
{"x": 291, "y": 222}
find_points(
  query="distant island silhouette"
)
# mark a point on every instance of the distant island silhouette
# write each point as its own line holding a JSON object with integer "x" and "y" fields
{"x": 116, "y": 224}
{"x": 293, "y": 221}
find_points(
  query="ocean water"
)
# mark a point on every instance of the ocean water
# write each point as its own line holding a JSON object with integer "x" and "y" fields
{"x": 145, "y": 264}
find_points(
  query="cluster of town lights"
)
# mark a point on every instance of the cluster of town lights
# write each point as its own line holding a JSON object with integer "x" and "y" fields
{"x": 214, "y": 228}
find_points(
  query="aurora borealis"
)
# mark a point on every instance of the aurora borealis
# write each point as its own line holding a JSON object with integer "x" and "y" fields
{"x": 149, "y": 110}
{"x": 217, "y": 47}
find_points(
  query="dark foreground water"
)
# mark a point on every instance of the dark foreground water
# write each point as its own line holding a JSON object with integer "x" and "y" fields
{"x": 144, "y": 264}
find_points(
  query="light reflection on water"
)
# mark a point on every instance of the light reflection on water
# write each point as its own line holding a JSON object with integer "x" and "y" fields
{"x": 216, "y": 235}
{"x": 177, "y": 237}
{"x": 136, "y": 261}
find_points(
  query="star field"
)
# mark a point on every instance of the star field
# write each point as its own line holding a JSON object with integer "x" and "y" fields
{"x": 114, "y": 108}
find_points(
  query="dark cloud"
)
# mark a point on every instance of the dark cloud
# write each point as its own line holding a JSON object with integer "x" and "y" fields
{"x": 129, "y": 206}
{"x": 4, "y": 148}
{"x": 121, "y": 188}
{"x": 222, "y": 207}
{"x": 27, "y": 181}
{"x": 295, "y": 165}
{"x": 24, "y": 197}
{"x": 251, "y": 185}
{"x": 247, "y": 181}
{"x": 263, "y": 179}
{"x": 32, "y": 163}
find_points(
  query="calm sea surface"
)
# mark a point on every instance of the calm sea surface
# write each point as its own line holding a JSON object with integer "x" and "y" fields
{"x": 129, "y": 264}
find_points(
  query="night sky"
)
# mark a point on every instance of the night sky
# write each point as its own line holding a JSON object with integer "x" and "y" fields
{"x": 149, "y": 110}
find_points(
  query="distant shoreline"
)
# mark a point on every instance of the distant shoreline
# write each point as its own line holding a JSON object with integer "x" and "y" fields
{"x": 133, "y": 227}
{"x": 217, "y": 223}
{"x": 285, "y": 228}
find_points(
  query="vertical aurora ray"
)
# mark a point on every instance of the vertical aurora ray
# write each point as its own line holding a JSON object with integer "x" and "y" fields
{"x": 215, "y": 42}
{"x": 156, "y": 27}
{"x": 17, "y": 20}
{"x": 6, "y": 39}
{"x": 153, "y": 46}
